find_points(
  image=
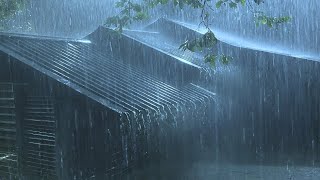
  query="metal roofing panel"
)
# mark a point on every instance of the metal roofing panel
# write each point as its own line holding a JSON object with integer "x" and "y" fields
{"x": 98, "y": 75}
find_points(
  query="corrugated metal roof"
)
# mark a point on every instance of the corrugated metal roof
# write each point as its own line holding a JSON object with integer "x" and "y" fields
{"x": 98, "y": 75}
{"x": 167, "y": 35}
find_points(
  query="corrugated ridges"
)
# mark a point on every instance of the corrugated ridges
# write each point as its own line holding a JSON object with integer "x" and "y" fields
{"x": 98, "y": 75}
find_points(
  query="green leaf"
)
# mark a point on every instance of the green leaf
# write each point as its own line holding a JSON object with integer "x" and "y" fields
{"x": 137, "y": 7}
{"x": 175, "y": 2}
{"x": 258, "y": 1}
{"x": 219, "y": 3}
{"x": 140, "y": 16}
{"x": 181, "y": 4}
{"x": 263, "y": 21}
{"x": 209, "y": 39}
{"x": 225, "y": 59}
{"x": 120, "y": 4}
{"x": 114, "y": 20}
{"x": 243, "y": 2}
{"x": 270, "y": 23}
{"x": 233, "y": 4}
{"x": 283, "y": 19}
{"x": 194, "y": 3}
{"x": 184, "y": 45}
{"x": 193, "y": 45}
{"x": 125, "y": 11}
{"x": 210, "y": 58}
{"x": 163, "y": 1}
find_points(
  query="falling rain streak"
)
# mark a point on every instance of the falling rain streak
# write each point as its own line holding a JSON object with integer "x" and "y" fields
{"x": 80, "y": 101}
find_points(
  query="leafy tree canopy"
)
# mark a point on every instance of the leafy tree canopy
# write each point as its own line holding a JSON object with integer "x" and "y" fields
{"x": 131, "y": 11}
{"x": 9, "y": 7}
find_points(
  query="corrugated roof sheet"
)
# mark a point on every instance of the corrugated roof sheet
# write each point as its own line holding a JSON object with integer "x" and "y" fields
{"x": 98, "y": 75}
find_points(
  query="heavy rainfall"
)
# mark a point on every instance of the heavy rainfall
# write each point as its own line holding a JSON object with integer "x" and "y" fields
{"x": 159, "y": 89}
